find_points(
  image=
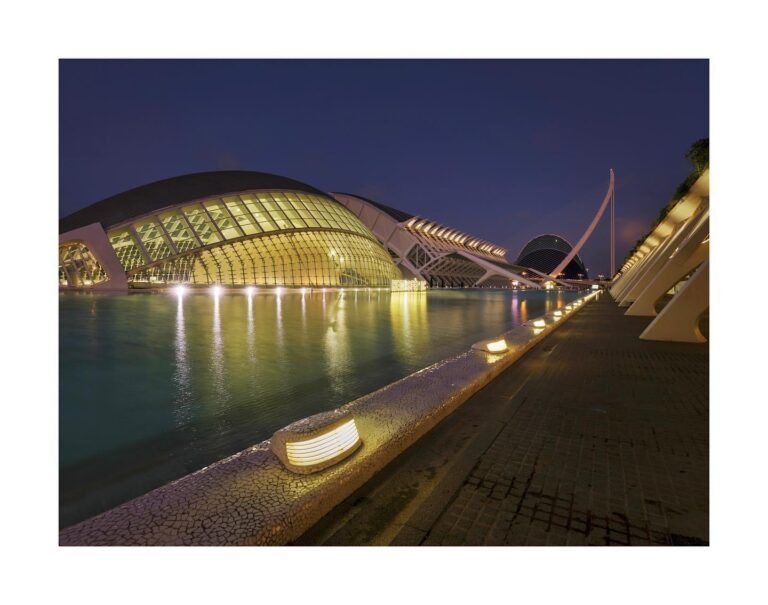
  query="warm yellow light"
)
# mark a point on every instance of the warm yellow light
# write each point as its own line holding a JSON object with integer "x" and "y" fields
{"x": 278, "y": 291}
{"x": 558, "y": 313}
{"x": 595, "y": 287}
{"x": 216, "y": 290}
{"x": 539, "y": 323}
{"x": 497, "y": 346}
{"x": 250, "y": 290}
{"x": 324, "y": 447}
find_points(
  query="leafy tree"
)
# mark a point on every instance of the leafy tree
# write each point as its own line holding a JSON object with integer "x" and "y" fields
{"x": 698, "y": 155}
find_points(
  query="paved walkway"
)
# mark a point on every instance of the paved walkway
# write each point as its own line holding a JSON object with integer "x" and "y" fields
{"x": 595, "y": 437}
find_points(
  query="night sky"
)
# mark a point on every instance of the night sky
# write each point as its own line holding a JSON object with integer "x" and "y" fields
{"x": 501, "y": 149}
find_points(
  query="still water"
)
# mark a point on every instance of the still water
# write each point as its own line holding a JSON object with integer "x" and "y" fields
{"x": 154, "y": 386}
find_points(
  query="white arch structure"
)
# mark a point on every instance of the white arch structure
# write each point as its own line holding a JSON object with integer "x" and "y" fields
{"x": 677, "y": 248}
{"x": 436, "y": 253}
{"x": 609, "y": 197}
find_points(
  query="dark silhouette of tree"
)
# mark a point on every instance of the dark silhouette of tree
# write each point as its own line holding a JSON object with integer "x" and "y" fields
{"x": 698, "y": 155}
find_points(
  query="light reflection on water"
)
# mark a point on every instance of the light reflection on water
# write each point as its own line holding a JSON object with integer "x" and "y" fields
{"x": 155, "y": 386}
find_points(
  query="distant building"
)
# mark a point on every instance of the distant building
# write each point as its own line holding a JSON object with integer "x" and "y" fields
{"x": 545, "y": 252}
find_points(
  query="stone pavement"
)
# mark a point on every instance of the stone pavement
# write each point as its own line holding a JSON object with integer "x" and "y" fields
{"x": 593, "y": 438}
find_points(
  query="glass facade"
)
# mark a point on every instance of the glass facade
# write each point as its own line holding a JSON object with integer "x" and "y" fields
{"x": 78, "y": 267}
{"x": 259, "y": 238}
{"x": 303, "y": 258}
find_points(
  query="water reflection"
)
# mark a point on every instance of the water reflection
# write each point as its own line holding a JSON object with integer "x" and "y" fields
{"x": 515, "y": 309}
{"x": 231, "y": 369}
{"x": 337, "y": 345}
{"x": 250, "y": 342}
{"x": 279, "y": 321}
{"x": 408, "y": 311}
{"x": 217, "y": 355}
{"x": 182, "y": 400}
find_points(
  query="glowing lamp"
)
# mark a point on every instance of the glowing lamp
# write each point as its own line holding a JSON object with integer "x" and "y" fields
{"x": 539, "y": 323}
{"x": 558, "y": 313}
{"x": 492, "y": 346}
{"x": 216, "y": 290}
{"x": 569, "y": 308}
{"x": 317, "y": 442}
{"x": 595, "y": 287}
{"x": 497, "y": 346}
{"x": 250, "y": 290}
{"x": 179, "y": 290}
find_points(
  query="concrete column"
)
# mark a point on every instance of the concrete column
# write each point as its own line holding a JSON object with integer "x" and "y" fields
{"x": 95, "y": 238}
{"x": 633, "y": 275}
{"x": 678, "y": 238}
{"x": 691, "y": 252}
{"x": 679, "y": 320}
{"x": 485, "y": 276}
{"x": 653, "y": 261}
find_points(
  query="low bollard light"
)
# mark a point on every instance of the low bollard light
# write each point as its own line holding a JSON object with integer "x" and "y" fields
{"x": 317, "y": 442}
{"x": 492, "y": 346}
{"x": 539, "y": 323}
{"x": 557, "y": 314}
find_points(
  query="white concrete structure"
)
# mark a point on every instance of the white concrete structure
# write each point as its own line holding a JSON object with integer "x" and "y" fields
{"x": 678, "y": 247}
{"x": 609, "y": 198}
{"x": 440, "y": 255}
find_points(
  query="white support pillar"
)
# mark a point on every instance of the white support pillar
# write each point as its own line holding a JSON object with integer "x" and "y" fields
{"x": 677, "y": 238}
{"x": 679, "y": 320}
{"x": 496, "y": 270}
{"x": 632, "y": 275}
{"x": 652, "y": 260}
{"x": 485, "y": 276}
{"x": 96, "y": 239}
{"x": 690, "y": 253}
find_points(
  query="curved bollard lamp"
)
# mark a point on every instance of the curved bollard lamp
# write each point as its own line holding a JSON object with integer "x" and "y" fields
{"x": 315, "y": 443}
{"x": 492, "y": 346}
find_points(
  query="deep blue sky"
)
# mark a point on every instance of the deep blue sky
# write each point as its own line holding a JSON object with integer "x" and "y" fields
{"x": 502, "y": 149}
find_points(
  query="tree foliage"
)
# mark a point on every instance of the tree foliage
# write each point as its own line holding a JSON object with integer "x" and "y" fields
{"x": 698, "y": 155}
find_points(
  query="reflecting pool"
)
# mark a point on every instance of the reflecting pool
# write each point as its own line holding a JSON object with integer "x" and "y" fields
{"x": 154, "y": 386}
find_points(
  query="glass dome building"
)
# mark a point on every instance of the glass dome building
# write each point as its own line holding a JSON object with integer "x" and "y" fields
{"x": 545, "y": 252}
{"x": 228, "y": 228}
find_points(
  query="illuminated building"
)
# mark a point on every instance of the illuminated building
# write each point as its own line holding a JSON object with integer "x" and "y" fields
{"x": 228, "y": 228}
{"x": 440, "y": 255}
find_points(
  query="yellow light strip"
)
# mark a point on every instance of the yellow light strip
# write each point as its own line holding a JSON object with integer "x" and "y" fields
{"x": 558, "y": 313}
{"x": 539, "y": 323}
{"x": 497, "y": 346}
{"x": 323, "y": 447}
{"x": 298, "y": 459}
{"x": 323, "y": 442}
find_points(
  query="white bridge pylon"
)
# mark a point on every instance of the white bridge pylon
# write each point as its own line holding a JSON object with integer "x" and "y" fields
{"x": 609, "y": 197}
